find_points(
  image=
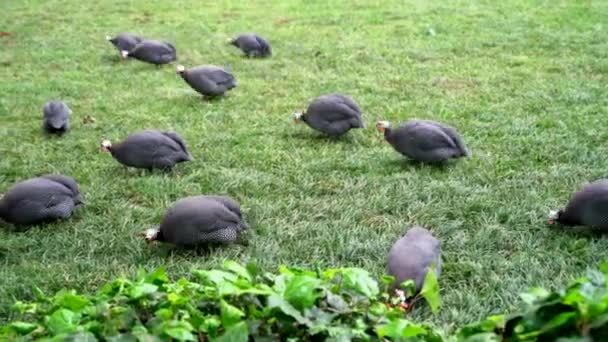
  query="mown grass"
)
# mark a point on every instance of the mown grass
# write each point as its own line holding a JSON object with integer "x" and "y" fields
{"x": 524, "y": 82}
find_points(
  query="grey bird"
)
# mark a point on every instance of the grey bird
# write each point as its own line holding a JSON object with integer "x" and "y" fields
{"x": 149, "y": 149}
{"x": 198, "y": 220}
{"x": 208, "y": 80}
{"x": 44, "y": 198}
{"x": 152, "y": 51}
{"x": 252, "y": 45}
{"x": 424, "y": 140}
{"x": 412, "y": 256}
{"x": 333, "y": 114}
{"x": 124, "y": 41}
{"x": 56, "y": 117}
{"x": 587, "y": 207}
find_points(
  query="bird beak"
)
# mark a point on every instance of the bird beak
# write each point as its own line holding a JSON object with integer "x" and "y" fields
{"x": 103, "y": 149}
{"x": 124, "y": 53}
{"x": 297, "y": 121}
{"x": 380, "y": 129}
{"x": 550, "y": 221}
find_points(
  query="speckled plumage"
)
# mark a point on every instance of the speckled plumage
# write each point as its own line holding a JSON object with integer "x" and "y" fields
{"x": 150, "y": 149}
{"x": 426, "y": 141}
{"x": 48, "y": 197}
{"x": 56, "y": 117}
{"x": 154, "y": 52}
{"x": 209, "y": 80}
{"x": 125, "y": 41}
{"x": 412, "y": 255}
{"x": 333, "y": 114}
{"x": 252, "y": 45}
{"x": 199, "y": 220}
{"x": 587, "y": 207}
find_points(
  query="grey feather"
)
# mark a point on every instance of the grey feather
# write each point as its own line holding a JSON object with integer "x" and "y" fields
{"x": 209, "y": 80}
{"x": 56, "y": 117}
{"x": 412, "y": 255}
{"x": 333, "y": 114}
{"x": 48, "y": 197}
{"x": 154, "y": 52}
{"x": 587, "y": 207}
{"x": 125, "y": 41}
{"x": 253, "y": 45}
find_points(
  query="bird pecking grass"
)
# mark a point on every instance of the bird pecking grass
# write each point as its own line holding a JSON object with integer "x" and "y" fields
{"x": 524, "y": 82}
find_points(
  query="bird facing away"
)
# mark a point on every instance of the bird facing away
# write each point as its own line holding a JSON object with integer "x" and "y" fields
{"x": 149, "y": 149}
{"x": 49, "y": 197}
{"x": 587, "y": 207}
{"x": 424, "y": 140}
{"x": 56, "y": 117}
{"x": 332, "y": 114}
{"x": 412, "y": 256}
{"x": 252, "y": 45}
{"x": 124, "y": 41}
{"x": 198, "y": 220}
{"x": 152, "y": 51}
{"x": 208, "y": 80}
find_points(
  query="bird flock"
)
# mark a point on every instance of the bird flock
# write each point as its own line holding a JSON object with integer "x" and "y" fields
{"x": 213, "y": 219}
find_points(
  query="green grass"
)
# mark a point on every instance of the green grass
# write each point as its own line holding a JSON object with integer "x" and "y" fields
{"x": 524, "y": 82}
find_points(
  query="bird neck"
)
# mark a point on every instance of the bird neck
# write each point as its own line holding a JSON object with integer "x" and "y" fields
{"x": 565, "y": 219}
{"x": 388, "y": 134}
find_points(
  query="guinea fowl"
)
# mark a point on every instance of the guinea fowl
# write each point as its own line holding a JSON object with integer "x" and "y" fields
{"x": 208, "y": 80}
{"x": 252, "y": 45}
{"x": 412, "y": 255}
{"x": 424, "y": 140}
{"x": 56, "y": 117}
{"x": 333, "y": 114}
{"x": 149, "y": 149}
{"x": 200, "y": 220}
{"x": 587, "y": 207}
{"x": 48, "y": 197}
{"x": 124, "y": 41}
{"x": 152, "y": 51}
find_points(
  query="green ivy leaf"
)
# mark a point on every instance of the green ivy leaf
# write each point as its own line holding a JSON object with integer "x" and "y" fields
{"x": 301, "y": 291}
{"x": 399, "y": 329}
{"x": 430, "y": 290}
{"x": 237, "y": 269}
{"x": 63, "y": 321}
{"x": 180, "y": 334}
{"x": 229, "y": 314}
{"x": 141, "y": 290}
{"x": 360, "y": 281}
{"x": 275, "y": 301}
{"x": 23, "y": 328}
{"x": 70, "y": 300}
{"x": 210, "y": 326}
{"x": 157, "y": 277}
{"x": 236, "y": 333}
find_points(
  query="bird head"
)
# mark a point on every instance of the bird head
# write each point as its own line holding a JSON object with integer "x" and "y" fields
{"x": 297, "y": 117}
{"x": 231, "y": 41}
{"x": 180, "y": 69}
{"x": 108, "y": 38}
{"x": 381, "y": 126}
{"x": 124, "y": 53}
{"x": 151, "y": 234}
{"x": 105, "y": 145}
{"x": 553, "y": 216}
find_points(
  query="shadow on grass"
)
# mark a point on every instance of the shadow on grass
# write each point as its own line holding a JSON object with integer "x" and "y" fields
{"x": 318, "y": 138}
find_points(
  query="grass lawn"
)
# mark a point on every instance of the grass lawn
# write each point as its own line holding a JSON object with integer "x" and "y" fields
{"x": 525, "y": 83}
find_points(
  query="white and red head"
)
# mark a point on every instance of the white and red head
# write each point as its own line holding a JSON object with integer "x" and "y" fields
{"x": 105, "y": 145}
{"x": 124, "y": 53}
{"x": 180, "y": 69}
{"x": 381, "y": 126}
{"x": 297, "y": 117}
{"x": 151, "y": 234}
{"x": 553, "y": 216}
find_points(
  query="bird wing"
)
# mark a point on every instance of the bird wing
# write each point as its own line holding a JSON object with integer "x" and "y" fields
{"x": 425, "y": 137}
{"x": 219, "y": 76}
{"x": 456, "y": 138}
{"x": 177, "y": 139}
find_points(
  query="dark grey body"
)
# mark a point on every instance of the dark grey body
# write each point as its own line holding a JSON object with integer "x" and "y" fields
{"x": 151, "y": 149}
{"x": 587, "y": 207}
{"x": 209, "y": 80}
{"x": 48, "y": 197}
{"x": 253, "y": 45}
{"x": 154, "y": 52}
{"x": 202, "y": 219}
{"x": 333, "y": 114}
{"x": 125, "y": 41}
{"x": 426, "y": 141}
{"x": 56, "y": 117}
{"x": 411, "y": 257}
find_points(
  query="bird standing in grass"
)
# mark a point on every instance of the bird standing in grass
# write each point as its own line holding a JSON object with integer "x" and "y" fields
{"x": 49, "y": 197}
{"x": 208, "y": 80}
{"x": 252, "y": 45}
{"x": 199, "y": 220}
{"x": 149, "y": 149}
{"x": 152, "y": 51}
{"x": 56, "y": 117}
{"x": 424, "y": 140}
{"x": 587, "y": 207}
{"x": 332, "y": 114}
{"x": 124, "y": 41}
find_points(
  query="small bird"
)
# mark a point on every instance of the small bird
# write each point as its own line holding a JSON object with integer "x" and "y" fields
{"x": 149, "y": 149}
{"x": 424, "y": 140}
{"x": 200, "y": 220}
{"x": 56, "y": 117}
{"x": 587, "y": 207}
{"x": 252, "y": 45}
{"x": 412, "y": 256}
{"x": 333, "y": 114}
{"x": 124, "y": 41}
{"x": 152, "y": 51}
{"x": 208, "y": 80}
{"x": 48, "y": 197}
